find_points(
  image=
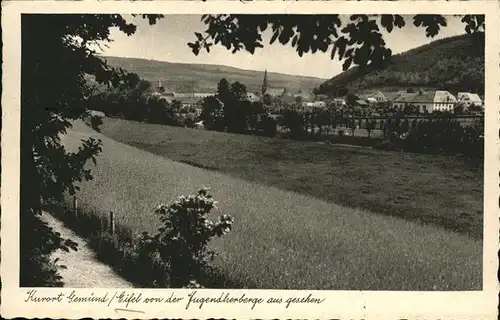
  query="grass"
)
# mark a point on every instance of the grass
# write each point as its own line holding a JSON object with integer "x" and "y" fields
{"x": 281, "y": 239}
{"x": 440, "y": 190}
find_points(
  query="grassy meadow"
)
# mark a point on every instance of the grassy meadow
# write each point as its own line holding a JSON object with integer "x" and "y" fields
{"x": 440, "y": 190}
{"x": 294, "y": 240}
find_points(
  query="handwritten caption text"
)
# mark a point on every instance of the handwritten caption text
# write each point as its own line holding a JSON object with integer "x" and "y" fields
{"x": 193, "y": 299}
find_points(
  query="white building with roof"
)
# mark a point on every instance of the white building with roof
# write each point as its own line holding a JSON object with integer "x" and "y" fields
{"x": 339, "y": 102}
{"x": 444, "y": 101}
{"x": 380, "y": 97}
{"x": 431, "y": 101}
{"x": 403, "y": 99}
{"x": 313, "y": 105}
{"x": 276, "y": 92}
{"x": 203, "y": 94}
{"x": 199, "y": 95}
{"x": 469, "y": 99}
{"x": 252, "y": 97}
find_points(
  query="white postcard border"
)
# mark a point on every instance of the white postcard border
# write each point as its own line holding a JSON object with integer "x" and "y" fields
{"x": 338, "y": 304}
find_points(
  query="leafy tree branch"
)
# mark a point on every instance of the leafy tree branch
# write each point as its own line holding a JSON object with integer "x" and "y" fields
{"x": 57, "y": 54}
{"x": 357, "y": 41}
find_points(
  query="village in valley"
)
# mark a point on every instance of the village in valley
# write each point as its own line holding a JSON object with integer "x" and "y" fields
{"x": 414, "y": 102}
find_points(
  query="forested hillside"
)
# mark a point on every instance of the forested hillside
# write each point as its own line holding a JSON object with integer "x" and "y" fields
{"x": 454, "y": 64}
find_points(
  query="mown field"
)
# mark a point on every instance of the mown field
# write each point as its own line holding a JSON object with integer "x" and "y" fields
{"x": 281, "y": 239}
{"x": 439, "y": 190}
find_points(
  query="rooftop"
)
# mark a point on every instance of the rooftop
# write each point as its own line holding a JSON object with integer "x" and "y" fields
{"x": 467, "y": 96}
{"x": 405, "y": 97}
{"x": 275, "y": 91}
{"x": 423, "y": 97}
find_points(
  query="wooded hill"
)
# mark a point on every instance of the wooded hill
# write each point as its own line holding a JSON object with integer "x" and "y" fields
{"x": 454, "y": 64}
{"x": 185, "y": 77}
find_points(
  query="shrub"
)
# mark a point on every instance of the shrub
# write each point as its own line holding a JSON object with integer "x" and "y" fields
{"x": 127, "y": 256}
{"x": 39, "y": 240}
{"x": 95, "y": 122}
{"x": 387, "y": 145}
{"x": 182, "y": 241}
{"x": 44, "y": 271}
{"x": 267, "y": 126}
{"x": 176, "y": 256}
{"x": 295, "y": 122}
{"x": 190, "y": 120}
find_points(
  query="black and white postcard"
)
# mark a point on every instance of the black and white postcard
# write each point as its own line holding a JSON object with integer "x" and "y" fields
{"x": 250, "y": 159}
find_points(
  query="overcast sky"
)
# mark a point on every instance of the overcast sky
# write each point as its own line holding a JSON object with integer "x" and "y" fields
{"x": 167, "y": 41}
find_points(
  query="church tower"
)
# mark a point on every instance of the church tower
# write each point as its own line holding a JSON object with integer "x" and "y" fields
{"x": 159, "y": 88}
{"x": 264, "y": 83}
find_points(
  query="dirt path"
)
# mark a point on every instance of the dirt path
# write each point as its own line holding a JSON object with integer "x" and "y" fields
{"x": 83, "y": 269}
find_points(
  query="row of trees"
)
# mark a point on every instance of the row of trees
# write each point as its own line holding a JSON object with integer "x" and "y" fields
{"x": 382, "y": 108}
{"x": 305, "y": 125}
{"x": 388, "y": 107}
{"x": 377, "y": 110}
{"x": 433, "y": 134}
{"x": 132, "y": 99}
{"x": 230, "y": 110}
{"x": 444, "y": 136}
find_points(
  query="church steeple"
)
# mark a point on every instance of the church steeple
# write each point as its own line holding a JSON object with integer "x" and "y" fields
{"x": 264, "y": 83}
{"x": 159, "y": 86}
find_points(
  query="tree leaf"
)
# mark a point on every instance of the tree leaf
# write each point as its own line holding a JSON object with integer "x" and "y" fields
{"x": 387, "y": 22}
{"x": 341, "y": 43}
{"x": 399, "y": 21}
{"x": 274, "y": 37}
{"x": 346, "y": 64}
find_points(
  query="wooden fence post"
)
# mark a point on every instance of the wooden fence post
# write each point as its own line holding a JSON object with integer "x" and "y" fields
{"x": 75, "y": 206}
{"x": 111, "y": 222}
